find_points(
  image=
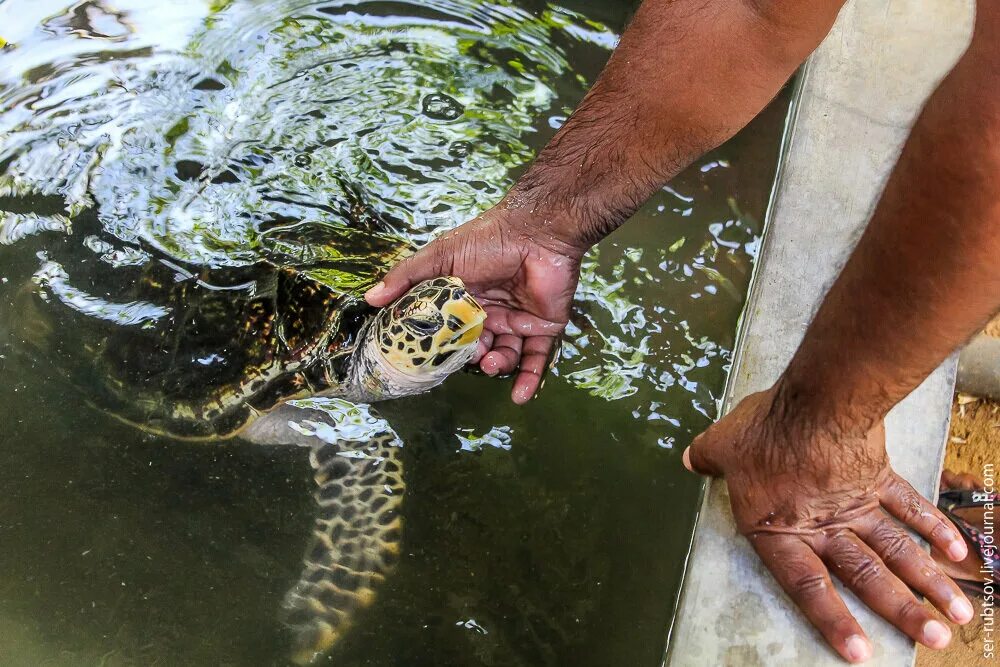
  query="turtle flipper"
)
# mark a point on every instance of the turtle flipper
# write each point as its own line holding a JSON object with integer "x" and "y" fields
{"x": 355, "y": 542}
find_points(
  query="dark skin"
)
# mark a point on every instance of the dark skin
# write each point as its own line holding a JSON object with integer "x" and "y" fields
{"x": 809, "y": 480}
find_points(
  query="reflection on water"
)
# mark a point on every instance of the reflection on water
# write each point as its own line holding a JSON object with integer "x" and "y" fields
{"x": 209, "y": 138}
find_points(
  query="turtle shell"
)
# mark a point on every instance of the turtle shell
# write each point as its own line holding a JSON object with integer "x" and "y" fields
{"x": 199, "y": 352}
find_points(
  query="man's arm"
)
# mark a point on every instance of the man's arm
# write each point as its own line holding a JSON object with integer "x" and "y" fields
{"x": 686, "y": 76}
{"x": 809, "y": 481}
{"x": 926, "y": 274}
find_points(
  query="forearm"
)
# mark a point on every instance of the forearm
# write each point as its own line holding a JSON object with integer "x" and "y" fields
{"x": 686, "y": 76}
{"x": 925, "y": 275}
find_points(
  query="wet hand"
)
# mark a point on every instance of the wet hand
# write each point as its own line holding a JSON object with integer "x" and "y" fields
{"x": 523, "y": 275}
{"x": 819, "y": 501}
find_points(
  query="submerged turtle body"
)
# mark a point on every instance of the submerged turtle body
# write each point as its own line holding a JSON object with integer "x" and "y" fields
{"x": 207, "y": 353}
{"x": 215, "y": 354}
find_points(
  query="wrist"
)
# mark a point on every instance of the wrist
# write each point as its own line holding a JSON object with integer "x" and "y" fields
{"x": 554, "y": 228}
{"x": 803, "y": 406}
{"x": 611, "y": 155}
{"x": 559, "y": 210}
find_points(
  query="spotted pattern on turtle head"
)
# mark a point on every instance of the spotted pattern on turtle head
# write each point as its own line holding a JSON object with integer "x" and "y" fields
{"x": 431, "y": 323}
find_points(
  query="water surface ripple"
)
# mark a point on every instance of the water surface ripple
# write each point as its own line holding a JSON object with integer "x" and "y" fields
{"x": 212, "y": 139}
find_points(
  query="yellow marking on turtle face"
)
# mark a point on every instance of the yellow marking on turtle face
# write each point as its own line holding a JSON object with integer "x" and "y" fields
{"x": 471, "y": 314}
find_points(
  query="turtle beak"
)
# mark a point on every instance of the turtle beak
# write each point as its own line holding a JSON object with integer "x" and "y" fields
{"x": 473, "y": 316}
{"x": 472, "y": 334}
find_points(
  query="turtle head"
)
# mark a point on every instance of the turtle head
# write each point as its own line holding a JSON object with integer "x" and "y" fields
{"x": 427, "y": 334}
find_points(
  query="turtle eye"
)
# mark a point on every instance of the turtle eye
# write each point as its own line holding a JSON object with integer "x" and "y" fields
{"x": 425, "y": 326}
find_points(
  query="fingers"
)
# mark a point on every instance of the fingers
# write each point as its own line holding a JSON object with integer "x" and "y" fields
{"x": 482, "y": 347}
{"x": 404, "y": 275}
{"x": 534, "y": 361}
{"x": 802, "y": 575}
{"x": 904, "y": 503}
{"x": 504, "y": 356}
{"x": 867, "y": 576}
{"x": 503, "y": 320}
{"x": 500, "y": 354}
{"x": 959, "y": 480}
{"x": 514, "y": 339}
{"x": 916, "y": 568}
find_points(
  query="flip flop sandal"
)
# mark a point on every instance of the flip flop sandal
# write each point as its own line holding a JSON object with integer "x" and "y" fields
{"x": 948, "y": 503}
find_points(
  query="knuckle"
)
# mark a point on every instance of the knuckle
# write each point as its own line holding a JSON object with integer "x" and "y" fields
{"x": 940, "y": 532}
{"x": 437, "y": 252}
{"x": 864, "y": 572}
{"x": 910, "y": 502}
{"x": 884, "y": 529}
{"x": 844, "y": 625}
{"x": 896, "y": 549}
{"x": 911, "y": 611}
{"x": 809, "y": 586}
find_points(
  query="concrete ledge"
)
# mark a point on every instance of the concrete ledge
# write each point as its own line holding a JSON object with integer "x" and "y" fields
{"x": 860, "y": 95}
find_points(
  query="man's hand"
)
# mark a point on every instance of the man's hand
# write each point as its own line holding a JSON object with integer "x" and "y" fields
{"x": 815, "y": 500}
{"x": 522, "y": 273}
{"x": 805, "y": 462}
{"x": 663, "y": 99}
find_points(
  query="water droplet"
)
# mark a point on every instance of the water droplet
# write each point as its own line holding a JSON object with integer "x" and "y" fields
{"x": 302, "y": 160}
{"x": 441, "y": 107}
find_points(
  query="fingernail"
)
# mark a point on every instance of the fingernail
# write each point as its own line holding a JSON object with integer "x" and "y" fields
{"x": 375, "y": 290}
{"x": 858, "y": 649}
{"x": 960, "y": 610}
{"x": 686, "y": 459}
{"x": 936, "y": 635}
{"x": 957, "y": 550}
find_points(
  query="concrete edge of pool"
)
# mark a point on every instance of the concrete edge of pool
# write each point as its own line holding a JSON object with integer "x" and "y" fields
{"x": 860, "y": 94}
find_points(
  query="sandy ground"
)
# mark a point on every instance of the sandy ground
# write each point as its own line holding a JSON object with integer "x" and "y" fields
{"x": 974, "y": 440}
{"x": 975, "y": 435}
{"x": 993, "y": 328}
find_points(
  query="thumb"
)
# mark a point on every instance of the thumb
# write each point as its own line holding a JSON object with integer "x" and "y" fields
{"x": 696, "y": 458}
{"x": 402, "y": 277}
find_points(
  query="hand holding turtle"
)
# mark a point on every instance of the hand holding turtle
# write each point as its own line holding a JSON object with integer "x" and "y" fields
{"x": 524, "y": 276}
{"x": 815, "y": 500}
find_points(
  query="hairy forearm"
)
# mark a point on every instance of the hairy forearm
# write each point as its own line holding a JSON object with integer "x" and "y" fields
{"x": 686, "y": 76}
{"x": 925, "y": 276}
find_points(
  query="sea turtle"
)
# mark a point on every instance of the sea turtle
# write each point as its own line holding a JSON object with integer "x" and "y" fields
{"x": 209, "y": 196}
{"x": 214, "y": 354}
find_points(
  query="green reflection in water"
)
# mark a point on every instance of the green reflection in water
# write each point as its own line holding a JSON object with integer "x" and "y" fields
{"x": 326, "y": 135}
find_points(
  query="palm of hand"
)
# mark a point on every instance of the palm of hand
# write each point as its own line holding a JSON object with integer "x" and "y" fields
{"x": 525, "y": 284}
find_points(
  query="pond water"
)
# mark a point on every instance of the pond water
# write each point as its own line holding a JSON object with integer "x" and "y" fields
{"x": 216, "y": 138}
